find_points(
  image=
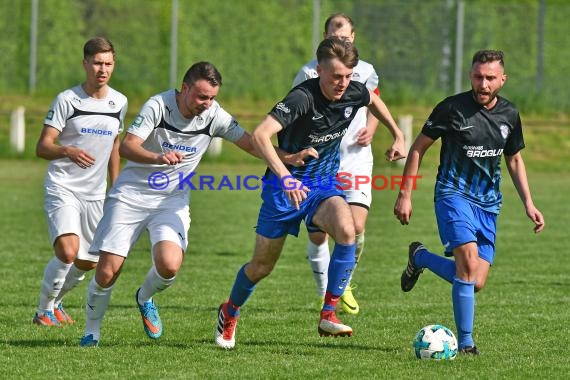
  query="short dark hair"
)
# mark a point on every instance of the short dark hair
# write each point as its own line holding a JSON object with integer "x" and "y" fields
{"x": 483, "y": 56}
{"x": 203, "y": 70}
{"x": 334, "y": 47}
{"x": 97, "y": 45}
{"x": 338, "y": 24}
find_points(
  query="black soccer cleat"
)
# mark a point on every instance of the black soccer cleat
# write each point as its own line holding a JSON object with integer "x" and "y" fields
{"x": 411, "y": 273}
{"x": 470, "y": 350}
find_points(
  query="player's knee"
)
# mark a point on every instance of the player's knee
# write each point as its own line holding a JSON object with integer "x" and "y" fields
{"x": 66, "y": 254}
{"x": 167, "y": 270}
{"x": 479, "y": 284}
{"x": 359, "y": 226}
{"x": 345, "y": 234}
{"x": 105, "y": 277}
{"x": 258, "y": 271}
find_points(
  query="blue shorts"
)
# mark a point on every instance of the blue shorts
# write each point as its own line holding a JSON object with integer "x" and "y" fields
{"x": 460, "y": 221}
{"x": 277, "y": 217}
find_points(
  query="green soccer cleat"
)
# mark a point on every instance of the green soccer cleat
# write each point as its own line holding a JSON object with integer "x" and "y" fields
{"x": 347, "y": 301}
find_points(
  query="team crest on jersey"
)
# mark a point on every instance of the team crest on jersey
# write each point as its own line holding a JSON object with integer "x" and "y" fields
{"x": 50, "y": 115}
{"x": 347, "y": 112}
{"x": 504, "y": 131}
{"x": 199, "y": 121}
{"x": 355, "y": 76}
{"x": 112, "y": 104}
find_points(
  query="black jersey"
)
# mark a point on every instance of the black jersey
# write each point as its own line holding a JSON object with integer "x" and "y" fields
{"x": 311, "y": 120}
{"x": 473, "y": 140}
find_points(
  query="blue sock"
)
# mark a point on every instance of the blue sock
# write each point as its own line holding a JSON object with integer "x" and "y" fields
{"x": 441, "y": 266}
{"x": 340, "y": 270}
{"x": 242, "y": 289}
{"x": 463, "y": 296}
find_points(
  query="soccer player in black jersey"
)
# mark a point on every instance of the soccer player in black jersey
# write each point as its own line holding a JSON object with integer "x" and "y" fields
{"x": 476, "y": 128}
{"x": 316, "y": 114}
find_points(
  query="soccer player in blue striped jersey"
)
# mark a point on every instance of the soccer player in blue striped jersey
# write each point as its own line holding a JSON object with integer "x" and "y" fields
{"x": 316, "y": 114}
{"x": 355, "y": 158}
{"x": 476, "y": 127}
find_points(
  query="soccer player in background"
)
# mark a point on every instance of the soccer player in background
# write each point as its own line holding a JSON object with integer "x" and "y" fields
{"x": 80, "y": 139}
{"x": 315, "y": 114}
{"x": 165, "y": 142}
{"x": 476, "y": 127}
{"x": 355, "y": 158}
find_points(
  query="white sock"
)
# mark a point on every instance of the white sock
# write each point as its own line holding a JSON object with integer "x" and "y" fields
{"x": 319, "y": 258}
{"x": 153, "y": 283}
{"x": 358, "y": 252}
{"x": 74, "y": 277}
{"x": 97, "y": 302}
{"x": 54, "y": 277}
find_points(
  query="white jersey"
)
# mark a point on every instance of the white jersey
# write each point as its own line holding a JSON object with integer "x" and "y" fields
{"x": 163, "y": 128}
{"x": 352, "y": 155}
{"x": 89, "y": 124}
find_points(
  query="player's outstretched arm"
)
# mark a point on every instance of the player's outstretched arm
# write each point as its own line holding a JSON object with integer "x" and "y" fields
{"x": 403, "y": 206}
{"x": 48, "y": 149}
{"x": 261, "y": 137}
{"x": 294, "y": 159}
{"x": 517, "y": 170}
{"x": 381, "y": 112}
{"x": 131, "y": 148}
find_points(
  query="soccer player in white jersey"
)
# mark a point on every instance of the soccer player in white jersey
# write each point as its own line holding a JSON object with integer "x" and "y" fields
{"x": 355, "y": 160}
{"x": 163, "y": 147}
{"x": 80, "y": 139}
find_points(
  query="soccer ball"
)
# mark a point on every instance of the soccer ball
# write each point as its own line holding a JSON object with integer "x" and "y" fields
{"x": 435, "y": 342}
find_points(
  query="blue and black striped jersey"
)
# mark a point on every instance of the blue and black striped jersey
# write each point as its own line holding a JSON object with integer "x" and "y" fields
{"x": 311, "y": 120}
{"x": 473, "y": 141}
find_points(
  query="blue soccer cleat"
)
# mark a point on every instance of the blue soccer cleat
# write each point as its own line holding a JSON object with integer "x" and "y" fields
{"x": 88, "y": 341}
{"x": 150, "y": 318}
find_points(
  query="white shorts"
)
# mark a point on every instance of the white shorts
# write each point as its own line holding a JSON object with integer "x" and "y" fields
{"x": 357, "y": 186}
{"x": 122, "y": 225}
{"x": 66, "y": 214}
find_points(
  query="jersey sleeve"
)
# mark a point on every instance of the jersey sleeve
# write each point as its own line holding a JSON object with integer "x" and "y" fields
{"x": 515, "y": 141}
{"x": 306, "y": 72}
{"x": 372, "y": 82}
{"x": 147, "y": 119}
{"x": 294, "y": 105}
{"x": 225, "y": 126}
{"x": 59, "y": 112}
{"x": 122, "y": 115}
{"x": 438, "y": 122}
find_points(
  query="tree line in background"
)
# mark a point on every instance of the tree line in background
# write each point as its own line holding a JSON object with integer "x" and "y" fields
{"x": 259, "y": 45}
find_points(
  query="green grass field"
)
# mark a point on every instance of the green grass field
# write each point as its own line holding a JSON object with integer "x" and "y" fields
{"x": 521, "y": 322}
